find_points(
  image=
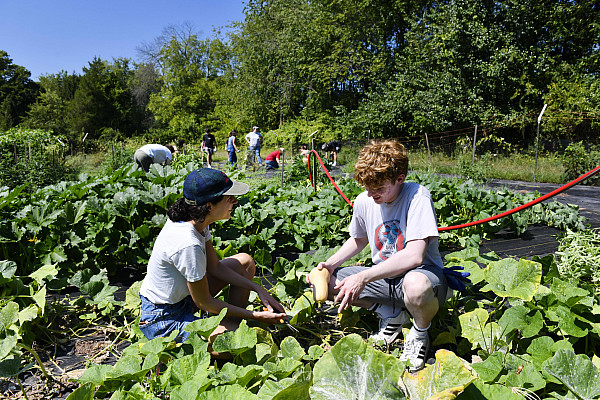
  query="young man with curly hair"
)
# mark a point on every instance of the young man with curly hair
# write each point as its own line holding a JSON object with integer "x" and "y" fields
{"x": 398, "y": 221}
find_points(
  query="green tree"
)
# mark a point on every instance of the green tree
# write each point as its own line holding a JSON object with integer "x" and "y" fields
{"x": 192, "y": 70}
{"x": 103, "y": 100}
{"x": 470, "y": 62}
{"x": 305, "y": 58}
{"x": 17, "y": 92}
{"x": 49, "y": 112}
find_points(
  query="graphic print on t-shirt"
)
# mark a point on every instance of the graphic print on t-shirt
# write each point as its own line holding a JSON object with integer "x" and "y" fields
{"x": 388, "y": 238}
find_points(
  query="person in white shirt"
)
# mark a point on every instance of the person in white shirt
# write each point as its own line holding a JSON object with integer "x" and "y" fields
{"x": 153, "y": 154}
{"x": 254, "y": 140}
{"x": 397, "y": 220}
{"x": 184, "y": 274}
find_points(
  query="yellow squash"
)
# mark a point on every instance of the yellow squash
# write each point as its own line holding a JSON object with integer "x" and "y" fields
{"x": 319, "y": 280}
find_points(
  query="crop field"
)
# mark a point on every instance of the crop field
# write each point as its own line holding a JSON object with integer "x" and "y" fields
{"x": 73, "y": 256}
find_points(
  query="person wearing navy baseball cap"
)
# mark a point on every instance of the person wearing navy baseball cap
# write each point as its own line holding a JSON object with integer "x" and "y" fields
{"x": 184, "y": 273}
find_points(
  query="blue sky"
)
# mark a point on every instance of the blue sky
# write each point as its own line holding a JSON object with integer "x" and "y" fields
{"x": 48, "y": 36}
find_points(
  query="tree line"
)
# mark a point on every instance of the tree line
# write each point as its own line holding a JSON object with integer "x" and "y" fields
{"x": 350, "y": 68}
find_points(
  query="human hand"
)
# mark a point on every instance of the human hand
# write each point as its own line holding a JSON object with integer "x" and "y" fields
{"x": 456, "y": 280}
{"x": 269, "y": 301}
{"x": 349, "y": 290}
{"x": 270, "y": 317}
{"x": 320, "y": 266}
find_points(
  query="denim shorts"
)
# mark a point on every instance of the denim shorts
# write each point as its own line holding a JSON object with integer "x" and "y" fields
{"x": 159, "y": 320}
{"x": 389, "y": 290}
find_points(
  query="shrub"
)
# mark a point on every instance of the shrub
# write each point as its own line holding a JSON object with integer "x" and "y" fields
{"x": 31, "y": 156}
{"x": 578, "y": 255}
{"x": 578, "y": 160}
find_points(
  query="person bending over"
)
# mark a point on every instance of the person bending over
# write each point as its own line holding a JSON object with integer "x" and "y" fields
{"x": 153, "y": 154}
{"x": 398, "y": 221}
{"x": 331, "y": 150}
{"x": 184, "y": 274}
{"x": 272, "y": 160}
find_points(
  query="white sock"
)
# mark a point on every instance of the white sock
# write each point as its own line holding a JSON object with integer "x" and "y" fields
{"x": 418, "y": 332}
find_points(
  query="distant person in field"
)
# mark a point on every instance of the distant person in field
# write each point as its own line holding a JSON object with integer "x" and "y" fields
{"x": 397, "y": 220}
{"x": 254, "y": 139}
{"x": 331, "y": 150}
{"x": 272, "y": 160}
{"x": 232, "y": 147}
{"x": 304, "y": 152}
{"x": 209, "y": 145}
{"x": 184, "y": 273}
{"x": 153, "y": 154}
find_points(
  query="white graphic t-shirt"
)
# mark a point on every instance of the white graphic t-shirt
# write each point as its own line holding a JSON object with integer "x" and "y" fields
{"x": 389, "y": 226}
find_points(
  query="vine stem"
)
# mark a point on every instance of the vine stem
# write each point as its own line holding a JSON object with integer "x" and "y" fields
{"x": 37, "y": 359}
{"x": 22, "y": 388}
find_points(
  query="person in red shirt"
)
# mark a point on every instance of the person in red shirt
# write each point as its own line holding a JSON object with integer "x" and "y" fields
{"x": 272, "y": 160}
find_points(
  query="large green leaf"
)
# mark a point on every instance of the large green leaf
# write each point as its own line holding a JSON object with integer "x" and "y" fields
{"x": 205, "y": 326}
{"x": 479, "y": 390}
{"x": 227, "y": 392}
{"x": 191, "y": 389}
{"x": 290, "y": 348}
{"x": 236, "y": 342}
{"x": 567, "y": 292}
{"x": 9, "y": 315}
{"x": 489, "y": 369}
{"x": 288, "y": 388}
{"x": 509, "y": 278}
{"x": 189, "y": 367}
{"x": 518, "y": 317}
{"x": 7, "y": 271}
{"x": 10, "y": 366}
{"x": 44, "y": 272}
{"x": 577, "y": 373}
{"x": 84, "y": 392}
{"x": 445, "y": 379}
{"x": 565, "y": 318}
{"x": 351, "y": 369}
{"x": 475, "y": 329}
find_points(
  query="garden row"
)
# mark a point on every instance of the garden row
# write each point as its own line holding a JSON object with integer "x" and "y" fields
{"x": 522, "y": 325}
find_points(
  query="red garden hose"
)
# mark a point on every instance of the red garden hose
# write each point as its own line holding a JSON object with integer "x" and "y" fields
{"x": 481, "y": 221}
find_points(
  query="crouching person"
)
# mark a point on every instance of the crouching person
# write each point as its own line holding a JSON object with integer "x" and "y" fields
{"x": 398, "y": 221}
{"x": 184, "y": 274}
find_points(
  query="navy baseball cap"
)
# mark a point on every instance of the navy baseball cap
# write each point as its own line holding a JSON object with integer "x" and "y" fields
{"x": 205, "y": 184}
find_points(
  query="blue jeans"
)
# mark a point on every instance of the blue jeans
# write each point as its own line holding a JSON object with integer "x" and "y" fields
{"x": 256, "y": 150}
{"x": 232, "y": 157}
{"x": 159, "y": 320}
{"x": 272, "y": 164}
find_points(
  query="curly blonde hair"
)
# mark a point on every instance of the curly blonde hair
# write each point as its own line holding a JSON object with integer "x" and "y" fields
{"x": 380, "y": 162}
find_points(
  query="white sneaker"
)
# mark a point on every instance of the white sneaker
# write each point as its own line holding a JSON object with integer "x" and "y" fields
{"x": 390, "y": 328}
{"x": 415, "y": 351}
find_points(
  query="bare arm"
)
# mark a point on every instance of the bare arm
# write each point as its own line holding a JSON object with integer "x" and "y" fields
{"x": 349, "y": 249}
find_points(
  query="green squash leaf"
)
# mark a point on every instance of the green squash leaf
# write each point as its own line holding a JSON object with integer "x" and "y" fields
{"x": 445, "y": 379}
{"x": 576, "y": 372}
{"x": 509, "y": 278}
{"x": 290, "y": 348}
{"x": 227, "y": 392}
{"x": 206, "y": 326}
{"x": 517, "y": 318}
{"x": 352, "y": 369}
{"x": 236, "y": 342}
{"x": 475, "y": 329}
{"x": 84, "y": 392}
